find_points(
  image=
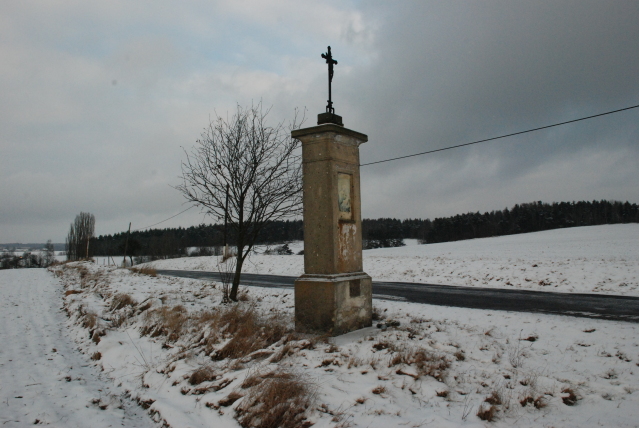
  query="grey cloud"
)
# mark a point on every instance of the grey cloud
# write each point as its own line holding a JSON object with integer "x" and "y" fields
{"x": 414, "y": 76}
{"x": 454, "y": 72}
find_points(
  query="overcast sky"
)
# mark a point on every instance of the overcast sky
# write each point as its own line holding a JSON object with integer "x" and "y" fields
{"x": 97, "y": 100}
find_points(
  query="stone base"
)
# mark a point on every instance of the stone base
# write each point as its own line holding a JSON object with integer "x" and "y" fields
{"x": 334, "y": 304}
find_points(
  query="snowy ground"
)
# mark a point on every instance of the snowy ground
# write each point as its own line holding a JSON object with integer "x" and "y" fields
{"x": 44, "y": 379}
{"x": 436, "y": 368}
{"x": 593, "y": 259}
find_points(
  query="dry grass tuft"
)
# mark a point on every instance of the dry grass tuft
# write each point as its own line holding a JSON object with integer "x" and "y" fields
{"x": 526, "y": 400}
{"x": 121, "y": 300}
{"x": 382, "y": 345}
{"x": 571, "y": 399}
{"x": 249, "y": 332}
{"x": 494, "y": 398}
{"x": 487, "y": 413}
{"x": 426, "y": 362}
{"x": 284, "y": 351}
{"x": 70, "y": 292}
{"x": 96, "y": 356}
{"x": 90, "y": 320}
{"x": 379, "y": 390}
{"x": 203, "y": 374}
{"x": 118, "y": 320}
{"x": 377, "y": 314}
{"x": 245, "y": 331}
{"x": 145, "y": 271}
{"x": 95, "y": 337}
{"x": 165, "y": 321}
{"x": 277, "y": 399}
{"x": 540, "y": 402}
{"x": 230, "y": 399}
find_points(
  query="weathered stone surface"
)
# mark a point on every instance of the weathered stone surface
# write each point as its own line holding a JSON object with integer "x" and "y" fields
{"x": 332, "y": 233}
{"x": 334, "y": 304}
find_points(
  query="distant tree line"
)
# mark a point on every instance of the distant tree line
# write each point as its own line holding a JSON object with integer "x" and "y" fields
{"x": 28, "y": 259}
{"x": 174, "y": 242}
{"x": 529, "y": 217}
{"x": 382, "y": 232}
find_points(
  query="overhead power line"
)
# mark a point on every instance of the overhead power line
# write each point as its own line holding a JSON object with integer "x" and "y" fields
{"x": 448, "y": 148}
{"x": 173, "y": 216}
{"x": 501, "y": 136}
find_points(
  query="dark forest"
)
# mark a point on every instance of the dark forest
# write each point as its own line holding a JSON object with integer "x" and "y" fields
{"x": 384, "y": 232}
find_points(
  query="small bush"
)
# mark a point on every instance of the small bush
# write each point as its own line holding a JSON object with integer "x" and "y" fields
{"x": 278, "y": 400}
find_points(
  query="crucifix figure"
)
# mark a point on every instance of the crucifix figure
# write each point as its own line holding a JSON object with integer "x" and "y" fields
{"x": 331, "y": 62}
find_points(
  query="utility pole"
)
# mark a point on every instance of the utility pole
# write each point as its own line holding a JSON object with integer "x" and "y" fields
{"x": 126, "y": 244}
{"x": 226, "y": 218}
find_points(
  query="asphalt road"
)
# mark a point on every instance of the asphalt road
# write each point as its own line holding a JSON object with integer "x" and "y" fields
{"x": 619, "y": 308}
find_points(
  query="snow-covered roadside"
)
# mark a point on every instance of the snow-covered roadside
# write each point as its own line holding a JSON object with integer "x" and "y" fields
{"x": 593, "y": 259}
{"x": 436, "y": 368}
{"x": 43, "y": 378}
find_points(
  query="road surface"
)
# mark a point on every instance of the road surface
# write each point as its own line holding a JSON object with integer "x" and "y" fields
{"x": 618, "y": 308}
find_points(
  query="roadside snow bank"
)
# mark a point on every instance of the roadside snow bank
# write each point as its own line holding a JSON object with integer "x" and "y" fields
{"x": 593, "y": 259}
{"x": 193, "y": 362}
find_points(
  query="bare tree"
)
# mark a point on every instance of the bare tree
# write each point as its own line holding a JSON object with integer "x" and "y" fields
{"x": 49, "y": 253}
{"x": 80, "y": 233}
{"x": 260, "y": 166}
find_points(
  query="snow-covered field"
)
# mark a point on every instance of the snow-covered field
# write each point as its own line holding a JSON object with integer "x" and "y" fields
{"x": 136, "y": 350}
{"x": 436, "y": 368}
{"x": 593, "y": 259}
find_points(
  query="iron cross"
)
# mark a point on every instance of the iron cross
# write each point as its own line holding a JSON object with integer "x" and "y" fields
{"x": 331, "y": 62}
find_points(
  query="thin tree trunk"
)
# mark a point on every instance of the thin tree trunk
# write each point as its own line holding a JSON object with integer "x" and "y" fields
{"x": 238, "y": 273}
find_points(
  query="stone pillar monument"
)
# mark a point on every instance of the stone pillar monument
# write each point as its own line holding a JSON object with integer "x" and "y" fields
{"x": 334, "y": 295}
